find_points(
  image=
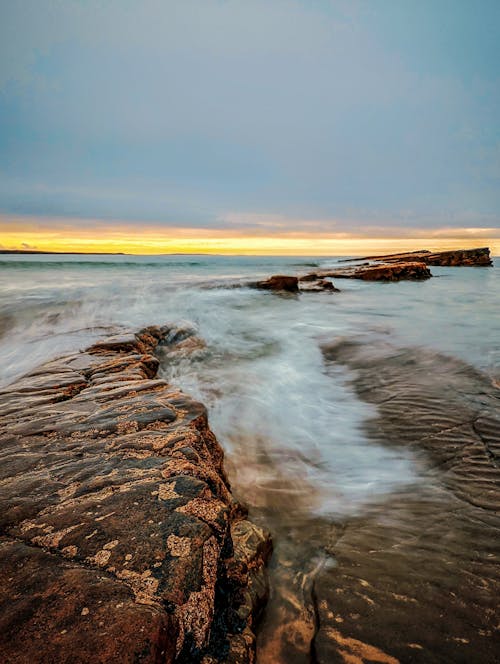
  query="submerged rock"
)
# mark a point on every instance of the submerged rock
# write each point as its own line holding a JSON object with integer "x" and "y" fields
{"x": 410, "y": 575}
{"x": 417, "y": 571}
{"x": 119, "y": 532}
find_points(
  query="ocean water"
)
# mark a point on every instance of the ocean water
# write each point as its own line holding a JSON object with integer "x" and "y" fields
{"x": 292, "y": 431}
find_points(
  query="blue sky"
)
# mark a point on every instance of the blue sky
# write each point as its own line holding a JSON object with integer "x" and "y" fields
{"x": 349, "y": 116}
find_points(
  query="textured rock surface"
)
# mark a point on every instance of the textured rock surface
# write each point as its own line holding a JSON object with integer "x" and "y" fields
{"x": 279, "y": 282}
{"x": 413, "y": 576}
{"x": 118, "y": 528}
{"x": 309, "y": 283}
{"x": 385, "y": 272}
{"x": 418, "y": 576}
{"x": 455, "y": 258}
{"x": 313, "y": 284}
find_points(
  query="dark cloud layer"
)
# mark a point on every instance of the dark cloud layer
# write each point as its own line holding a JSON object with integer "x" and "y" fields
{"x": 211, "y": 113}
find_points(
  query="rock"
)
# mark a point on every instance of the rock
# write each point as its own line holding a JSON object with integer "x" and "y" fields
{"x": 252, "y": 548}
{"x": 308, "y": 277}
{"x": 386, "y": 272}
{"x": 307, "y": 283}
{"x": 412, "y": 574}
{"x": 462, "y": 257}
{"x": 117, "y": 517}
{"x": 416, "y": 576}
{"x": 316, "y": 286}
{"x": 279, "y": 282}
{"x": 54, "y": 610}
{"x": 454, "y": 258}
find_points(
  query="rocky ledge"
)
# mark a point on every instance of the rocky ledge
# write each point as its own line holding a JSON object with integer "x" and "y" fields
{"x": 120, "y": 540}
{"x": 291, "y": 284}
{"x": 458, "y": 257}
{"x": 414, "y": 270}
{"x": 390, "y": 267}
{"x": 319, "y": 281}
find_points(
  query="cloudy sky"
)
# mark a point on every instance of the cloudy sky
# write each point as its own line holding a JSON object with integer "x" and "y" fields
{"x": 250, "y": 117}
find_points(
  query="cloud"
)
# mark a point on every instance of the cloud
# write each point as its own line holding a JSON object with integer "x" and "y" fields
{"x": 179, "y": 113}
{"x": 238, "y": 225}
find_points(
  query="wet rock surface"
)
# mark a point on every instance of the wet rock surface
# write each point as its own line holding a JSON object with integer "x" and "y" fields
{"x": 454, "y": 258}
{"x": 396, "y": 271}
{"x": 120, "y": 539}
{"x": 309, "y": 283}
{"x": 279, "y": 282}
{"x": 417, "y": 576}
{"x": 413, "y": 575}
{"x": 313, "y": 284}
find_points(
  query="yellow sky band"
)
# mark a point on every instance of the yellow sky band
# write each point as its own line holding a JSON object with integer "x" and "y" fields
{"x": 154, "y": 240}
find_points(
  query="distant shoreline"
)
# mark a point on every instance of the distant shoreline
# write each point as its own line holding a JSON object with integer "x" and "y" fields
{"x": 63, "y": 253}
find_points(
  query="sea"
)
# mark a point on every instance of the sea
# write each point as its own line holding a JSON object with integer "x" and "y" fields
{"x": 284, "y": 420}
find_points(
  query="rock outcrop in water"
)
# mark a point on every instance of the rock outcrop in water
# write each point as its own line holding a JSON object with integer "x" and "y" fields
{"x": 311, "y": 283}
{"x": 279, "y": 282}
{"x": 120, "y": 540}
{"x": 454, "y": 258}
{"x": 391, "y": 267}
{"x": 317, "y": 285}
{"x": 413, "y": 270}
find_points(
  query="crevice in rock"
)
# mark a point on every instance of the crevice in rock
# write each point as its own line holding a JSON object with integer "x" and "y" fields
{"x": 491, "y": 455}
{"x": 317, "y": 623}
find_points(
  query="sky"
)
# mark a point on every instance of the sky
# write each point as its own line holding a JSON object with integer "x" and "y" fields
{"x": 260, "y": 126}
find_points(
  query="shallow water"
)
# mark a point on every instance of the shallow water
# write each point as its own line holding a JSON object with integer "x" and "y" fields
{"x": 270, "y": 400}
{"x": 293, "y": 429}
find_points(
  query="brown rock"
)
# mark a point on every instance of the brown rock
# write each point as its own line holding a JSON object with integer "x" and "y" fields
{"x": 318, "y": 285}
{"x": 53, "y": 610}
{"x": 308, "y": 277}
{"x": 252, "y": 550}
{"x": 454, "y": 258}
{"x": 116, "y": 514}
{"x": 417, "y": 572}
{"x": 411, "y": 576}
{"x": 462, "y": 257}
{"x": 279, "y": 282}
{"x": 386, "y": 272}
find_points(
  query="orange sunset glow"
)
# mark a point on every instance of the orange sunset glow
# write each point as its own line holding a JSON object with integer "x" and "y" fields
{"x": 125, "y": 238}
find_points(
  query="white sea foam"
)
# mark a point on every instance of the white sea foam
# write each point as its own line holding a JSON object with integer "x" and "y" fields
{"x": 282, "y": 418}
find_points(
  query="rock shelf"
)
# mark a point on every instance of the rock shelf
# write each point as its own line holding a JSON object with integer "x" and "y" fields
{"x": 385, "y": 272}
{"x": 120, "y": 540}
{"x": 455, "y": 258}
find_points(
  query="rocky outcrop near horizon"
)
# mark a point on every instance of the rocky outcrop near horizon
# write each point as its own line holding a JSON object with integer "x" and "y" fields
{"x": 453, "y": 258}
{"x": 320, "y": 280}
{"x": 120, "y": 539}
{"x": 411, "y": 265}
{"x": 412, "y": 270}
